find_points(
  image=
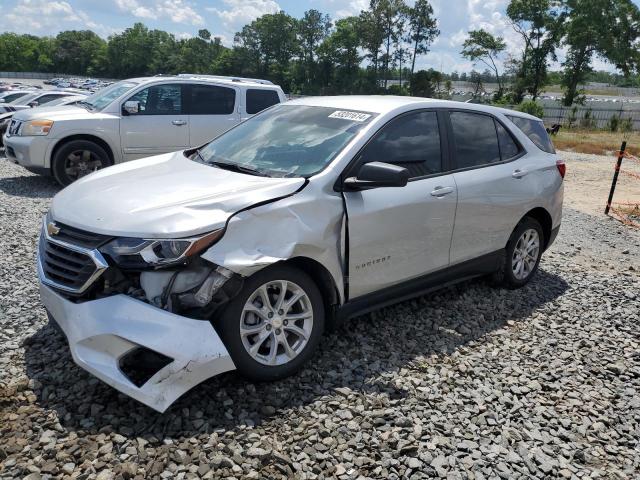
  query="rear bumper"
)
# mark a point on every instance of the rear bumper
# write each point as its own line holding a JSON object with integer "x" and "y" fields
{"x": 101, "y": 332}
{"x": 30, "y": 152}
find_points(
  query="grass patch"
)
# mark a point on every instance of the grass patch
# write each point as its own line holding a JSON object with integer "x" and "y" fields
{"x": 595, "y": 141}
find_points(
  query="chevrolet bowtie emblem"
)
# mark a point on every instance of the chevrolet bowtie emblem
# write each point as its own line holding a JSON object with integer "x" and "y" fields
{"x": 52, "y": 229}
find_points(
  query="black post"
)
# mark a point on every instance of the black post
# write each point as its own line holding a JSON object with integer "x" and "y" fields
{"x": 615, "y": 176}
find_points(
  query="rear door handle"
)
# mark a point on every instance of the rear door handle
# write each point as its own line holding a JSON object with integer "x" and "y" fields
{"x": 519, "y": 173}
{"x": 441, "y": 191}
{"x": 179, "y": 123}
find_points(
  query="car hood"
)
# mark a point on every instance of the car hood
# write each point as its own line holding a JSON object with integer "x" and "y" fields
{"x": 58, "y": 113}
{"x": 166, "y": 196}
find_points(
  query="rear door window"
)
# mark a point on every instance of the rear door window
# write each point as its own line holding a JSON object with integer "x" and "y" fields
{"x": 258, "y": 100}
{"x": 508, "y": 146}
{"x": 411, "y": 141}
{"x": 211, "y": 100}
{"x": 475, "y": 139}
{"x": 534, "y": 129}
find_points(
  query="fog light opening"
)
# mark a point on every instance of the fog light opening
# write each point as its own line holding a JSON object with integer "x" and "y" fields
{"x": 140, "y": 364}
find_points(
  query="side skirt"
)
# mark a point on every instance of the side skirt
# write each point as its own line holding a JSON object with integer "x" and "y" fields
{"x": 415, "y": 287}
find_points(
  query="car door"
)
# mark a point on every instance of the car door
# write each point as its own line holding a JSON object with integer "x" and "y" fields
{"x": 213, "y": 109}
{"x": 492, "y": 193}
{"x": 160, "y": 125}
{"x": 397, "y": 234}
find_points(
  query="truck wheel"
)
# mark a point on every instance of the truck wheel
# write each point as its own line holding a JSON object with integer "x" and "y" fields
{"x": 274, "y": 324}
{"x": 76, "y": 159}
{"x": 522, "y": 255}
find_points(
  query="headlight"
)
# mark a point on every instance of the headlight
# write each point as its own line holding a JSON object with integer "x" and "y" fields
{"x": 140, "y": 253}
{"x": 36, "y": 128}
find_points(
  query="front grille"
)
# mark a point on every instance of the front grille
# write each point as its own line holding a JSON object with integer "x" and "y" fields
{"x": 79, "y": 237}
{"x": 14, "y": 126}
{"x": 69, "y": 260}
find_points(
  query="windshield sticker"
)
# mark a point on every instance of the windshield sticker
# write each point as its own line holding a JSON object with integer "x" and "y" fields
{"x": 354, "y": 116}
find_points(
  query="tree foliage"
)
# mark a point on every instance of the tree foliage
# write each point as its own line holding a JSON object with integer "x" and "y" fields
{"x": 484, "y": 47}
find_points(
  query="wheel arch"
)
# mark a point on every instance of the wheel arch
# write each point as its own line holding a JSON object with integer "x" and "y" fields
{"x": 325, "y": 283}
{"x": 543, "y": 217}
{"x": 89, "y": 138}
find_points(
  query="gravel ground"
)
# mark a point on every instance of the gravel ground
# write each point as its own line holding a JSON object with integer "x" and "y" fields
{"x": 471, "y": 382}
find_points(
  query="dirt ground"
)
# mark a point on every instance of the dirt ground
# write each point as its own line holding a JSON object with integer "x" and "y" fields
{"x": 588, "y": 181}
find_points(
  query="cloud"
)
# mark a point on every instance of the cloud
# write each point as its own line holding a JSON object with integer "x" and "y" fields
{"x": 237, "y": 13}
{"x": 353, "y": 8}
{"x": 48, "y": 17}
{"x": 176, "y": 11}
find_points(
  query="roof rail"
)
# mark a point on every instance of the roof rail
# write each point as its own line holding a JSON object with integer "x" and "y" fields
{"x": 222, "y": 77}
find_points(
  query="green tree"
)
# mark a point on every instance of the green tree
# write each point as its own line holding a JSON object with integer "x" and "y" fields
{"x": 484, "y": 47}
{"x": 392, "y": 14}
{"x": 608, "y": 28}
{"x": 76, "y": 51}
{"x": 423, "y": 29}
{"x": 372, "y": 34}
{"x": 313, "y": 28}
{"x": 425, "y": 83}
{"x": 539, "y": 24}
{"x": 270, "y": 41}
{"x": 340, "y": 50}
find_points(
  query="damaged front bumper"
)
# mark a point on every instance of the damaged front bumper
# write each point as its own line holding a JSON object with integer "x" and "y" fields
{"x": 104, "y": 333}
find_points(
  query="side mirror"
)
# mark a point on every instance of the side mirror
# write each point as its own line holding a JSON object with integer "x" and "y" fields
{"x": 131, "y": 107}
{"x": 377, "y": 174}
{"x": 33, "y": 104}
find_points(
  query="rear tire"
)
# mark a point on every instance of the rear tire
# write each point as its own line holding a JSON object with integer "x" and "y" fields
{"x": 522, "y": 255}
{"x": 273, "y": 338}
{"x": 78, "y": 158}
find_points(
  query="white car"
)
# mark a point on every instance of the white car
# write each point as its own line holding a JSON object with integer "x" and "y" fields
{"x": 132, "y": 119}
{"x": 5, "y": 118}
{"x": 34, "y": 99}
{"x": 171, "y": 269}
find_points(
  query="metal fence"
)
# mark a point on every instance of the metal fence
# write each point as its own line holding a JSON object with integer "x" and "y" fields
{"x": 621, "y": 118}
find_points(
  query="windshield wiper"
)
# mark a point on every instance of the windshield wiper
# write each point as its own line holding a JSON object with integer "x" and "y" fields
{"x": 236, "y": 167}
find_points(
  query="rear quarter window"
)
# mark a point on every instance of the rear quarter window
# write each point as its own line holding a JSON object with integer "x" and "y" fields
{"x": 258, "y": 100}
{"x": 534, "y": 129}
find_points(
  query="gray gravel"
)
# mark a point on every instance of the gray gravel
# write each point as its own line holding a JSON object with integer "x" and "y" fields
{"x": 471, "y": 382}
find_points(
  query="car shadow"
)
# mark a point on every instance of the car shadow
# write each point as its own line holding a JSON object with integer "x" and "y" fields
{"x": 29, "y": 186}
{"x": 359, "y": 357}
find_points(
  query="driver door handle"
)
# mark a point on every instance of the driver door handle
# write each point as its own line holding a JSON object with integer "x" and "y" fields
{"x": 179, "y": 123}
{"x": 441, "y": 191}
{"x": 518, "y": 173}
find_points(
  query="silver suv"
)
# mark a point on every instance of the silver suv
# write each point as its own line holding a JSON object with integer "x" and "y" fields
{"x": 132, "y": 119}
{"x": 171, "y": 269}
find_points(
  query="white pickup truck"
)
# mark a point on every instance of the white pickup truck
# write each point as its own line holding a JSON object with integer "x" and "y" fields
{"x": 132, "y": 119}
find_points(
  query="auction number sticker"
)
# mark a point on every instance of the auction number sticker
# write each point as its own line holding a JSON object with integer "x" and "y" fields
{"x": 354, "y": 116}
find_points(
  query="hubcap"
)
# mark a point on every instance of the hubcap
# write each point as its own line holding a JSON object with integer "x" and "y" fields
{"x": 525, "y": 254}
{"x": 276, "y": 322}
{"x": 80, "y": 163}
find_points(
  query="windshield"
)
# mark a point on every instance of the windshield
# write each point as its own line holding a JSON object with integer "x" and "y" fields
{"x": 286, "y": 140}
{"x": 104, "y": 97}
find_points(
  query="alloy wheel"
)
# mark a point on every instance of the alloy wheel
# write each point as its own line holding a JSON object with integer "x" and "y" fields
{"x": 276, "y": 322}
{"x": 525, "y": 254}
{"x": 80, "y": 163}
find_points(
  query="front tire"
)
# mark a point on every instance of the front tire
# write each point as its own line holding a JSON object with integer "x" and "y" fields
{"x": 522, "y": 255}
{"x": 78, "y": 158}
{"x": 274, "y": 324}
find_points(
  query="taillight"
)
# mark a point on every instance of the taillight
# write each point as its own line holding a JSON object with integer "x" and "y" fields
{"x": 562, "y": 168}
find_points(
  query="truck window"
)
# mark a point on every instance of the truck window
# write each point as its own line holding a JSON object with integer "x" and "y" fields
{"x": 258, "y": 100}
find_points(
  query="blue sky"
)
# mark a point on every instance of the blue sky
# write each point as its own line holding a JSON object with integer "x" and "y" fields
{"x": 224, "y": 17}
